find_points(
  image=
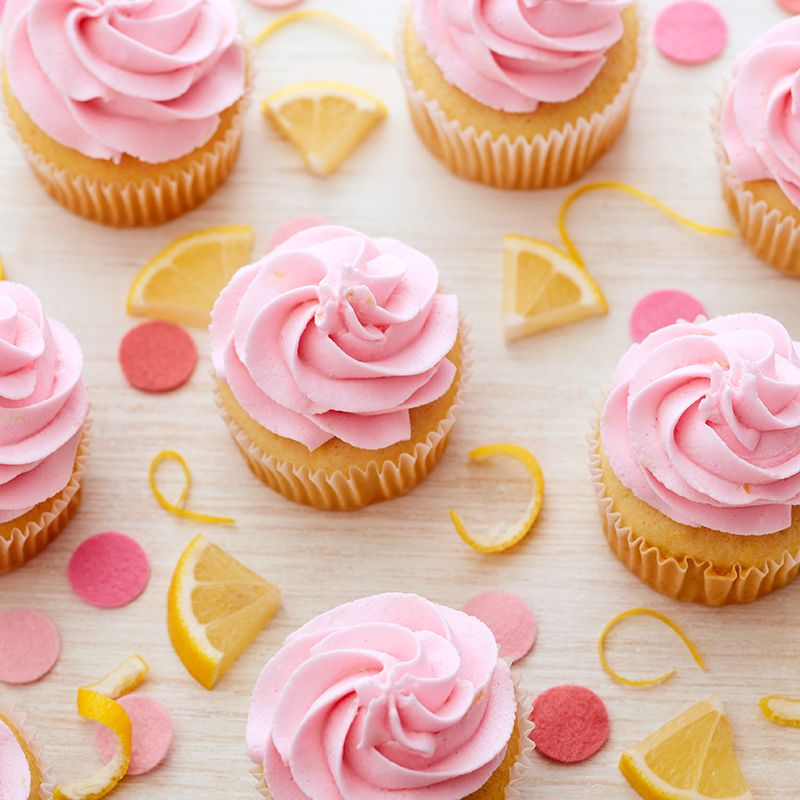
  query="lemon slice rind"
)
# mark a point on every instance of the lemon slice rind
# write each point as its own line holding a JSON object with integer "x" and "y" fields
{"x": 171, "y": 287}
{"x": 98, "y": 702}
{"x": 323, "y": 140}
{"x": 526, "y": 316}
{"x": 782, "y": 710}
{"x": 502, "y": 536}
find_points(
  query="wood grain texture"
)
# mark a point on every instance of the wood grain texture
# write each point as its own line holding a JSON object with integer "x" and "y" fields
{"x": 537, "y": 393}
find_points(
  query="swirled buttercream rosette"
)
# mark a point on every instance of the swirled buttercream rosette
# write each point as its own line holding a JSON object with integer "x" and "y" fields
{"x": 503, "y": 161}
{"x": 130, "y": 113}
{"x": 28, "y": 734}
{"x": 696, "y": 463}
{"x": 409, "y": 697}
{"x": 44, "y": 437}
{"x": 340, "y": 367}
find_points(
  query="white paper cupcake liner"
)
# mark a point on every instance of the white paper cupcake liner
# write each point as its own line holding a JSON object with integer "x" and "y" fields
{"x": 377, "y": 483}
{"x": 147, "y": 202}
{"x": 23, "y": 545}
{"x": 684, "y": 579}
{"x": 564, "y": 156}
{"x": 28, "y": 733}
{"x": 518, "y": 768}
{"x": 771, "y": 236}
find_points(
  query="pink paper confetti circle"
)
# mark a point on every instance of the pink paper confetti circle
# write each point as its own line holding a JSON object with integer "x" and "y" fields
{"x": 151, "y": 734}
{"x": 571, "y": 723}
{"x": 659, "y": 309}
{"x": 509, "y": 618}
{"x": 29, "y": 645}
{"x": 108, "y": 570}
{"x": 690, "y": 31}
{"x": 157, "y": 356}
{"x": 792, "y": 6}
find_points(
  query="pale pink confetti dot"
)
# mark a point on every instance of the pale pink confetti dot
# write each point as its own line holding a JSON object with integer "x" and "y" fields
{"x": 509, "y": 618}
{"x": 659, "y": 309}
{"x": 292, "y": 226}
{"x": 151, "y": 734}
{"x": 792, "y": 6}
{"x": 690, "y": 31}
{"x": 29, "y": 645}
{"x": 108, "y": 570}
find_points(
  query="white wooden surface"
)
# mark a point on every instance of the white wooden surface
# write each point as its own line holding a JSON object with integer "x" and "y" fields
{"x": 537, "y": 393}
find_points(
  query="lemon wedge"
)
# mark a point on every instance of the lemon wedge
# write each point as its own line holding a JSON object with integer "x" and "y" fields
{"x": 783, "y": 710}
{"x": 543, "y": 288}
{"x": 97, "y": 702}
{"x": 503, "y": 536}
{"x": 182, "y": 282}
{"x": 324, "y": 121}
{"x": 216, "y": 607}
{"x": 689, "y": 758}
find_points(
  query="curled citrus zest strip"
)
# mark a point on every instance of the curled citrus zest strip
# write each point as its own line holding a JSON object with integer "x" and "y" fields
{"x": 783, "y": 710}
{"x": 325, "y": 16}
{"x": 624, "y": 187}
{"x": 502, "y": 536}
{"x": 666, "y": 621}
{"x": 176, "y": 509}
{"x": 97, "y": 702}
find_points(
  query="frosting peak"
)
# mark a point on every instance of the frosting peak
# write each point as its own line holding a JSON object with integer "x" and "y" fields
{"x": 390, "y": 694}
{"x": 335, "y": 334}
{"x": 702, "y": 422}
{"x": 107, "y": 77}
{"x": 43, "y": 402}
{"x": 761, "y": 114}
{"x": 513, "y": 54}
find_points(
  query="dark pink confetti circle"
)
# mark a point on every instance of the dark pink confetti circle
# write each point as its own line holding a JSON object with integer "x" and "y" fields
{"x": 792, "y": 6}
{"x": 151, "y": 734}
{"x": 571, "y": 723}
{"x": 690, "y": 31}
{"x": 509, "y": 618}
{"x": 157, "y": 356}
{"x": 29, "y": 645}
{"x": 108, "y": 570}
{"x": 659, "y": 309}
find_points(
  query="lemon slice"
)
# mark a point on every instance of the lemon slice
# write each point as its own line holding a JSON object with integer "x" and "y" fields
{"x": 97, "y": 702}
{"x": 182, "y": 282}
{"x": 783, "y": 710}
{"x": 503, "y": 536}
{"x": 689, "y": 758}
{"x": 324, "y": 121}
{"x": 544, "y": 288}
{"x": 216, "y": 607}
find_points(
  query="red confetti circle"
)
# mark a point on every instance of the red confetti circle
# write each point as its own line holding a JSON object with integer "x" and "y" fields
{"x": 571, "y": 723}
{"x": 108, "y": 570}
{"x": 151, "y": 734}
{"x": 157, "y": 356}
{"x": 690, "y": 31}
{"x": 29, "y": 645}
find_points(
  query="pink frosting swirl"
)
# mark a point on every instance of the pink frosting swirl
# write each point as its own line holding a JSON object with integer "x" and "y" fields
{"x": 334, "y": 334}
{"x": 514, "y": 54}
{"x": 390, "y": 696}
{"x": 702, "y": 422}
{"x": 143, "y": 77}
{"x": 15, "y": 774}
{"x": 761, "y": 114}
{"x": 43, "y": 402}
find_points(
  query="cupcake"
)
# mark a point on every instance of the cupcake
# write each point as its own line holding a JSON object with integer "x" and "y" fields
{"x": 339, "y": 366}
{"x": 391, "y": 695}
{"x": 520, "y": 95}
{"x": 757, "y": 137}
{"x": 129, "y": 112}
{"x": 24, "y": 774}
{"x": 44, "y": 439}
{"x": 696, "y": 460}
